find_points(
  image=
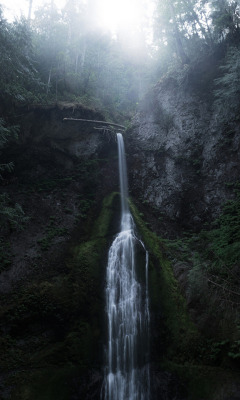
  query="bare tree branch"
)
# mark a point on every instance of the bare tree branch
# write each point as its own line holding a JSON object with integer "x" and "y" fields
{"x": 95, "y": 122}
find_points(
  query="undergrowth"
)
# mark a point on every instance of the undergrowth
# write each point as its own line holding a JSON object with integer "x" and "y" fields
{"x": 203, "y": 358}
{"x": 211, "y": 262}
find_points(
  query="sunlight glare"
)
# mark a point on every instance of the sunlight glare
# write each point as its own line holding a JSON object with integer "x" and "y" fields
{"x": 115, "y": 14}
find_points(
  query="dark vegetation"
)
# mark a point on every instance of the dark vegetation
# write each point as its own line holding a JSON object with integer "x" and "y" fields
{"x": 52, "y": 302}
{"x": 206, "y": 361}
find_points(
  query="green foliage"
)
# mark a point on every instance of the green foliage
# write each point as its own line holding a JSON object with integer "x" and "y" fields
{"x": 164, "y": 291}
{"x": 19, "y": 80}
{"x": 193, "y": 357}
{"x": 84, "y": 206}
{"x": 227, "y": 93}
{"x": 216, "y": 250}
{"x": 182, "y": 28}
{"x": 7, "y": 133}
{"x": 192, "y": 37}
{"x": 225, "y": 19}
{"x": 11, "y": 215}
{"x": 86, "y": 66}
{"x": 52, "y": 232}
{"x": 235, "y": 350}
{"x": 197, "y": 281}
{"x": 225, "y": 239}
{"x": 209, "y": 264}
{"x": 4, "y": 133}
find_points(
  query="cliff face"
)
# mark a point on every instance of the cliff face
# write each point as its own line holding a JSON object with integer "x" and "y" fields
{"x": 183, "y": 168}
{"x": 182, "y": 160}
{"x": 61, "y": 173}
{"x": 181, "y": 163}
{"x": 52, "y": 265}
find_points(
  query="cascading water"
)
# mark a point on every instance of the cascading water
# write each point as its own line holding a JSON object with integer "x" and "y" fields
{"x": 127, "y": 370}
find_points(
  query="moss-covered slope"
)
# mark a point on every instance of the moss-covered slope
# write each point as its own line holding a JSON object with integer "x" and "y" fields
{"x": 201, "y": 364}
{"x": 52, "y": 328}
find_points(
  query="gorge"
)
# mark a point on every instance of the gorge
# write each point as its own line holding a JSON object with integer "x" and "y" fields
{"x": 104, "y": 298}
{"x": 52, "y": 284}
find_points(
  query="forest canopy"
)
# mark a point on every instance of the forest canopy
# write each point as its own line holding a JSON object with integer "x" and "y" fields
{"x": 66, "y": 55}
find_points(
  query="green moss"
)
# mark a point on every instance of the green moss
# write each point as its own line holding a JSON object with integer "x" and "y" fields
{"x": 101, "y": 226}
{"x": 179, "y": 347}
{"x": 166, "y": 297}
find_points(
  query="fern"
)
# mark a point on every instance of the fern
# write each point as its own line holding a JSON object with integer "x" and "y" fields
{"x": 12, "y": 215}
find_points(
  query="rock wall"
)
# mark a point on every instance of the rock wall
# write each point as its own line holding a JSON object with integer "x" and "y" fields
{"x": 182, "y": 160}
{"x": 52, "y": 267}
{"x": 60, "y": 173}
{"x": 182, "y": 163}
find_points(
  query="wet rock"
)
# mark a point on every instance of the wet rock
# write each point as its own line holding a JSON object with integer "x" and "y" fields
{"x": 182, "y": 157}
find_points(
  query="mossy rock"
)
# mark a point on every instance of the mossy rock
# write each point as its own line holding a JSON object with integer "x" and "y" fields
{"x": 177, "y": 346}
{"x": 168, "y": 305}
{"x": 56, "y": 326}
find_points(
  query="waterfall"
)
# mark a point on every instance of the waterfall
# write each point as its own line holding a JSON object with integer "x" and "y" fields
{"x": 127, "y": 371}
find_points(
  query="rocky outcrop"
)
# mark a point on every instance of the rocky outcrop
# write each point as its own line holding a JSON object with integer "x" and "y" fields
{"x": 45, "y": 124}
{"x": 183, "y": 161}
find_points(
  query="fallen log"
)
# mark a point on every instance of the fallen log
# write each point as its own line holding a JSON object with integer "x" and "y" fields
{"x": 95, "y": 122}
{"x": 103, "y": 128}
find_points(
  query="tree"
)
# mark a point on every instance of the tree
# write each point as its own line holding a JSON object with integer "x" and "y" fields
{"x": 19, "y": 79}
{"x": 169, "y": 27}
{"x": 227, "y": 93}
{"x": 12, "y": 215}
{"x": 49, "y": 38}
{"x": 5, "y": 134}
{"x": 226, "y": 19}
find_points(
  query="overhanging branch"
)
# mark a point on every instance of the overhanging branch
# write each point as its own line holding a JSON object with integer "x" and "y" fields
{"x": 95, "y": 122}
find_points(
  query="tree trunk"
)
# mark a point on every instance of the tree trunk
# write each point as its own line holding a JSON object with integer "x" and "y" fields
{"x": 179, "y": 46}
{"x": 49, "y": 80}
{"x": 30, "y": 10}
{"x": 76, "y": 63}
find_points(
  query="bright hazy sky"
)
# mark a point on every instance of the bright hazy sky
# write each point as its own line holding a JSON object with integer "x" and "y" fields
{"x": 112, "y": 14}
{"x": 20, "y": 7}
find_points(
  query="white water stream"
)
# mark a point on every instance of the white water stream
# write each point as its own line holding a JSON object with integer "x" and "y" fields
{"x": 127, "y": 370}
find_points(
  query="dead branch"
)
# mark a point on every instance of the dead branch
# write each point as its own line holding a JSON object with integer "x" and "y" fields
{"x": 105, "y": 128}
{"x": 94, "y": 121}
